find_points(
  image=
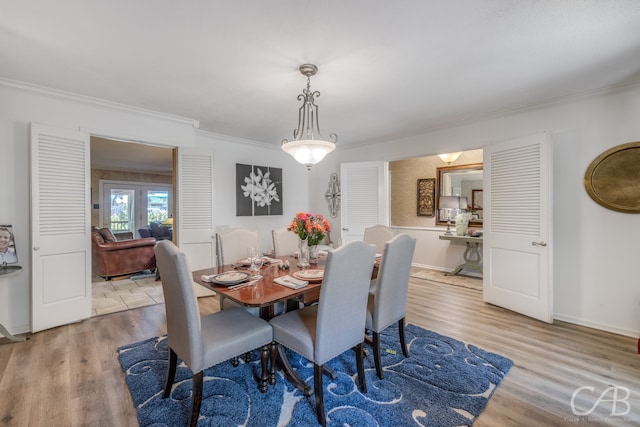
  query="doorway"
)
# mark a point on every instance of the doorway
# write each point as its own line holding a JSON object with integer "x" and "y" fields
{"x": 132, "y": 185}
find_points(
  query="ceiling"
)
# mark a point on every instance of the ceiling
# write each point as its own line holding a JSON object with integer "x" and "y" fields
{"x": 387, "y": 69}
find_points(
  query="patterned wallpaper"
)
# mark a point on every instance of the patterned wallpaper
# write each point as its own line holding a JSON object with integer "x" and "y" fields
{"x": 404, "y": 175}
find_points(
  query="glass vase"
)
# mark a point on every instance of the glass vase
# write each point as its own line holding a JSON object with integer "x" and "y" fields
{"x": 303, "y": 253}
{"x": 314, "y": 254}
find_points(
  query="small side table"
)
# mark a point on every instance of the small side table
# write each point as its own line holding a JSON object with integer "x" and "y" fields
{"x": 472, "y": 254}
{"x": 5, "y": 270}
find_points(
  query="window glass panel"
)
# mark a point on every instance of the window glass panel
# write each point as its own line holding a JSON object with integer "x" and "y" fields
{"x": 157, "y": 205}
{"x": 122, "y": 208}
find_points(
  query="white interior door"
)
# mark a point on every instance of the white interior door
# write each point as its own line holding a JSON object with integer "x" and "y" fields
{"x": 364, "y": 197}
{"x": 196, "y": 231}
{"x": 60, "y": 227}
{"x": 517, "y": 226}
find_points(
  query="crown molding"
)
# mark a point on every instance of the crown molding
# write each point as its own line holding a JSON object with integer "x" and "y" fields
{"x": 56, "y": 93}
{"x": 235, "y": 139}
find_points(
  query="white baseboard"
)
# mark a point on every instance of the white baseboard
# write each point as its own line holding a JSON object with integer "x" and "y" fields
{"x": 596, "y": 325}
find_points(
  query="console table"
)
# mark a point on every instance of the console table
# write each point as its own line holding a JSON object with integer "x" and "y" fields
{"x": 6, "y": 270}
{"x": 472, "y": 254}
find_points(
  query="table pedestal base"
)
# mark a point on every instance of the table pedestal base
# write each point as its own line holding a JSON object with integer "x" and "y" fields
{"x": 472, "y": 259}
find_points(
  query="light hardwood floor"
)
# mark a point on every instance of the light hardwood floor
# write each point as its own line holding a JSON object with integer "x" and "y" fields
{"x": 70, "y": 376}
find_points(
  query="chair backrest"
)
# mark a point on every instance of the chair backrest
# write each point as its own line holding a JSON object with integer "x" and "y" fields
{"x": 378, "y": 235}
{"x": 184, "y": 329}
{"x": 285, "y": 242}
{"x": 233, "y": 243}
{"x": 342, "y": 309}
{"x": 144, "y": 232}
{"x": 393, "y": 282}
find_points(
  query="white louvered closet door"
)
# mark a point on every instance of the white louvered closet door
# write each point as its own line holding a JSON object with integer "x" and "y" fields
{"x": 196, "y": 235}
{"x": 364, "y": 198}
{"x": 60, "y": 227}
{"x": 517, "y": 226}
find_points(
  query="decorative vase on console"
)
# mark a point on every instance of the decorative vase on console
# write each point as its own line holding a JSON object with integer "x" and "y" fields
{"x": 462, "y": 223}
{"x": 303, "y": 253}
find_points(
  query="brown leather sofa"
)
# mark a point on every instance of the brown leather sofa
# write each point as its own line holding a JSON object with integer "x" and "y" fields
{"x": 117, "y": 258}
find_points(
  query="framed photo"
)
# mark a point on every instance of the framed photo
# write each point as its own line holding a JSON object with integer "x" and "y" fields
{"x": 426, "y": 195}
{"x": 476, "y": 200}
{"x": 258, "y": 190}
{"x": 8, "y": 254}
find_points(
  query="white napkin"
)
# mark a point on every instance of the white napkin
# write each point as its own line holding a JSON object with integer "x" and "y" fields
{"x": 290, "y": 282}
{"x": 207, "y": 278}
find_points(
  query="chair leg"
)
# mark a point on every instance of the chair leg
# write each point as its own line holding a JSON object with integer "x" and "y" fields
{"x": 359, "y": 349}
{"x": 272, "y": 363}
{"x": 376, "y": 354}
{"x": 171, "y": 373}
{"x": 319, "y": 394}
{"x": 403, "y": 341}
{"x": 264, "y": 359}
{"x": 196, "y": 397}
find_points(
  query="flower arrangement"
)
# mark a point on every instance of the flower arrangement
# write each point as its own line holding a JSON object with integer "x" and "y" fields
{"x": 310, "y": 227}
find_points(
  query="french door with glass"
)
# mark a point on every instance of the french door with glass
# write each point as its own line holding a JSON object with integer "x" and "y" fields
{"x": 128, "y": 206}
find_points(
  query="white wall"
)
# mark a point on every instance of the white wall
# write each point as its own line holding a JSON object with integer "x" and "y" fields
{"x": 21, "y": 105}
{"x": 228, "y": 152}
{"x": 595, "y": 249}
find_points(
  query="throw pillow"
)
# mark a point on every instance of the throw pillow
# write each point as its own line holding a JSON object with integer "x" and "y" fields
{"x": 107, "y": 235}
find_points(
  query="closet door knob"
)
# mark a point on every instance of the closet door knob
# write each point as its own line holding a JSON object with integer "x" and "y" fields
{"x": 539, "y": 244}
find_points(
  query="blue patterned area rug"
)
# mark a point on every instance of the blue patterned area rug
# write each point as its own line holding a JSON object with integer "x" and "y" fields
{"x": 444, "y": 382}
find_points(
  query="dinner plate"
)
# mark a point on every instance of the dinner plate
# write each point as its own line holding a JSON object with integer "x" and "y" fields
{"x": 246, "y": 263}
{"x": 229, "y": 278}
{"x": 309, "y": 275}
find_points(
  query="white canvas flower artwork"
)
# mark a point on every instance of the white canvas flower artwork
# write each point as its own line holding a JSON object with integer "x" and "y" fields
{"x": 259, "y": 190}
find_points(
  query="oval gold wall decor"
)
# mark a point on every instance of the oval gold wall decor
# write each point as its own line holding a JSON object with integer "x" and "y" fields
{"x": 613, "y": 178}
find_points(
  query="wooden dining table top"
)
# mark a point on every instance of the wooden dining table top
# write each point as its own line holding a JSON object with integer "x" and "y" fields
{"x": 265, "y": 292}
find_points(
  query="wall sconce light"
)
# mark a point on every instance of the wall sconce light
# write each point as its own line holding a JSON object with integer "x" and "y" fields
{"x": 332, "y": 195}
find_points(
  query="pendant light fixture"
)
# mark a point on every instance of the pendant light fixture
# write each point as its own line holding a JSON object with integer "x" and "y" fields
{"x": 308, "y": 147}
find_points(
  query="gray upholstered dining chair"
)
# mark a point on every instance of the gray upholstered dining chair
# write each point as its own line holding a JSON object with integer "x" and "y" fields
{"x": 337, "y": 323}
{"x": 232, "y": 244}
{"x": 202, "y": 342}
{"x": 285, "y": 242}
{"x": 388, "y": 302}
{"x": 378, "y": 235}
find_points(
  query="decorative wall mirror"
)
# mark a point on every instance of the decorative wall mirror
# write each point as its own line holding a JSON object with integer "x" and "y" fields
{"x": 612, "y": 178}
{"x": 465, "y": 182}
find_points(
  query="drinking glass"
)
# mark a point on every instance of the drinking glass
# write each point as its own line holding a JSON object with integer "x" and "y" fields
{"x": 255, "y": 261}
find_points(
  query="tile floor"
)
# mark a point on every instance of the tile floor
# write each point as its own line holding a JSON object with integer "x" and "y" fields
{"x": 124, "y": 294}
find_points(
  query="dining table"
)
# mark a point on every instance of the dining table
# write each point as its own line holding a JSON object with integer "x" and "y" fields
{"x": 264, "y": 293}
